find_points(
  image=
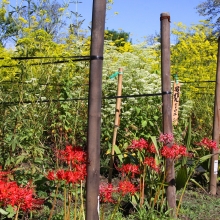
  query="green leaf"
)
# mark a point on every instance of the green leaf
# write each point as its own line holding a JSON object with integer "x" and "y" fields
{"x": 135, "y": 199}
{"x": 181, "y": 177}
{"x": 151, "y": 123}
{"x": 118, "y": 152}
{"x": 3, "y": 212}
{"x": 156, "y": 117}
{"x": 143, "y": 124}
{"x": 194, "y": 181}
{"x": 14, "y": 143}
{"x": 204, "y": 158}
{"x": 11, "y": 211}
{"x": 11, "y": 215}
{"x": 154, "y": 140}
{"x": 20, "y": 158}
{"x": 138, "y": 110}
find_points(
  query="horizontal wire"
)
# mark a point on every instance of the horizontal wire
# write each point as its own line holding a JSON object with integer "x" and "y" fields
{"x": 33, "y": 58}
{"x": 46, "y": 63}
{"x": 197, "y": 81}
{"x": 80, "y": 58}
{"x": 81, "y": 99}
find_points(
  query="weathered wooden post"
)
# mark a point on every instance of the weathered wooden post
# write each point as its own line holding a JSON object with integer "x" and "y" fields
{"x": 216, "y": 129}
{"x": 94, "y": 110}
{"x": 116, "y": 125}
{"x": 167, "y": 106}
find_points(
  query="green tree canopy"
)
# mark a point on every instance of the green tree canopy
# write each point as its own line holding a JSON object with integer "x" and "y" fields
{"x": 211, "y": 10}
{"x": 194, "y": 59}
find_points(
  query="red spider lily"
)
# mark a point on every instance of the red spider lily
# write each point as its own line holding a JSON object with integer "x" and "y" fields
{"x": 209, "y": 144}
{"x": 151, "y": 148}
{"x": 129, "y": 169}
{"x": 72, "y": 155}
{"x": 67, "y": 175}
{"x": 81, "y": 168}
{"x": 73, "y": 177}
{"x": 168, "y": 152}
{"x": 183, "y": 151}
{"x": 150, "y": 161}
{"x": 61, "y": 175}
{"x": 126, "y": 187}
{"x": 51, "y": 175}
{"x": 174, "y": 152}
{"x": 76, "y": 176}
{"x": 106, "y": 192}
{"x": 75, "y": 157}
{"x": 139, "y": 144}
{"x": 23, "y": 197}
{"x": 166, "y": 138}
{"x": 26, "y": 199}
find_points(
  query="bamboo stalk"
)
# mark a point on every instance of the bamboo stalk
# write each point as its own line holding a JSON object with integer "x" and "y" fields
{"x": 116, "y": 125}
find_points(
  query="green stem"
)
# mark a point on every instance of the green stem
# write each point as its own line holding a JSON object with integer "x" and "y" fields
{"x": 116, "y": 208}
{"x": 82, "y": 204}
{"x": 161, "y": 188}
{"x": 142, "y": 186}
{"x": 54, "y": 203}
{"x": 69, "y": 205}
{"x": 64, "y": 203}
{"x": 102, "y": 211}
{"x": 75, "y": 205}
{"x": 76, "y": 121}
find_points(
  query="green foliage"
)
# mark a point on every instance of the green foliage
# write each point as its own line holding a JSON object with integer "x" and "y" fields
{"x": 33, "y": 122}
{"x": 7, "y": 213}
{"x": 118, "y": 37}
{"x": 139, "y": 116}
{"x": 36, "y": 15}
{"x": 8, "y": 27}
{"x": 194, "y": 58}
{"x": 210, "y": 9}
{"x": 195, "y": 206}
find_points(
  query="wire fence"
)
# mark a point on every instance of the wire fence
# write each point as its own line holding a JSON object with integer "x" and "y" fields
{"x": 69, "y": 59}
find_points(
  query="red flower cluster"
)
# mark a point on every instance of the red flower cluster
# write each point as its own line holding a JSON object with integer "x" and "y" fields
{"x": 139, "y": 144}
{"x": 16, "y": 196}
{"x": 129, "y": 169}
{"x": 209, "y": 144}
{"x": 75, "y": 157}
{"x": 150, "y": 161}
{"x": 166, "y": 138}
{"x": 126, "y": 187}
{"x": 69, "y": 176}
{"x": 142, "y": 144}
{"x": 174, "y": 152}
{"x": 72, "y": 155}
{"x": 107, "y": 191}
{"x": 151, "y": 148}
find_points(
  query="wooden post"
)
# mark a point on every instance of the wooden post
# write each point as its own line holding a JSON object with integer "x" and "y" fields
{"x": 94, "y": 110}
{"x": 216, "y": 129}
{"x": 116, "y": 125}
{"x": 167, "y": 106}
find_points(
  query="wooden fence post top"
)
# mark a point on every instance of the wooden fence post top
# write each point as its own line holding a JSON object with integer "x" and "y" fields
{"x": 120, "y": 69}
{"x": 165, "y": 15}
